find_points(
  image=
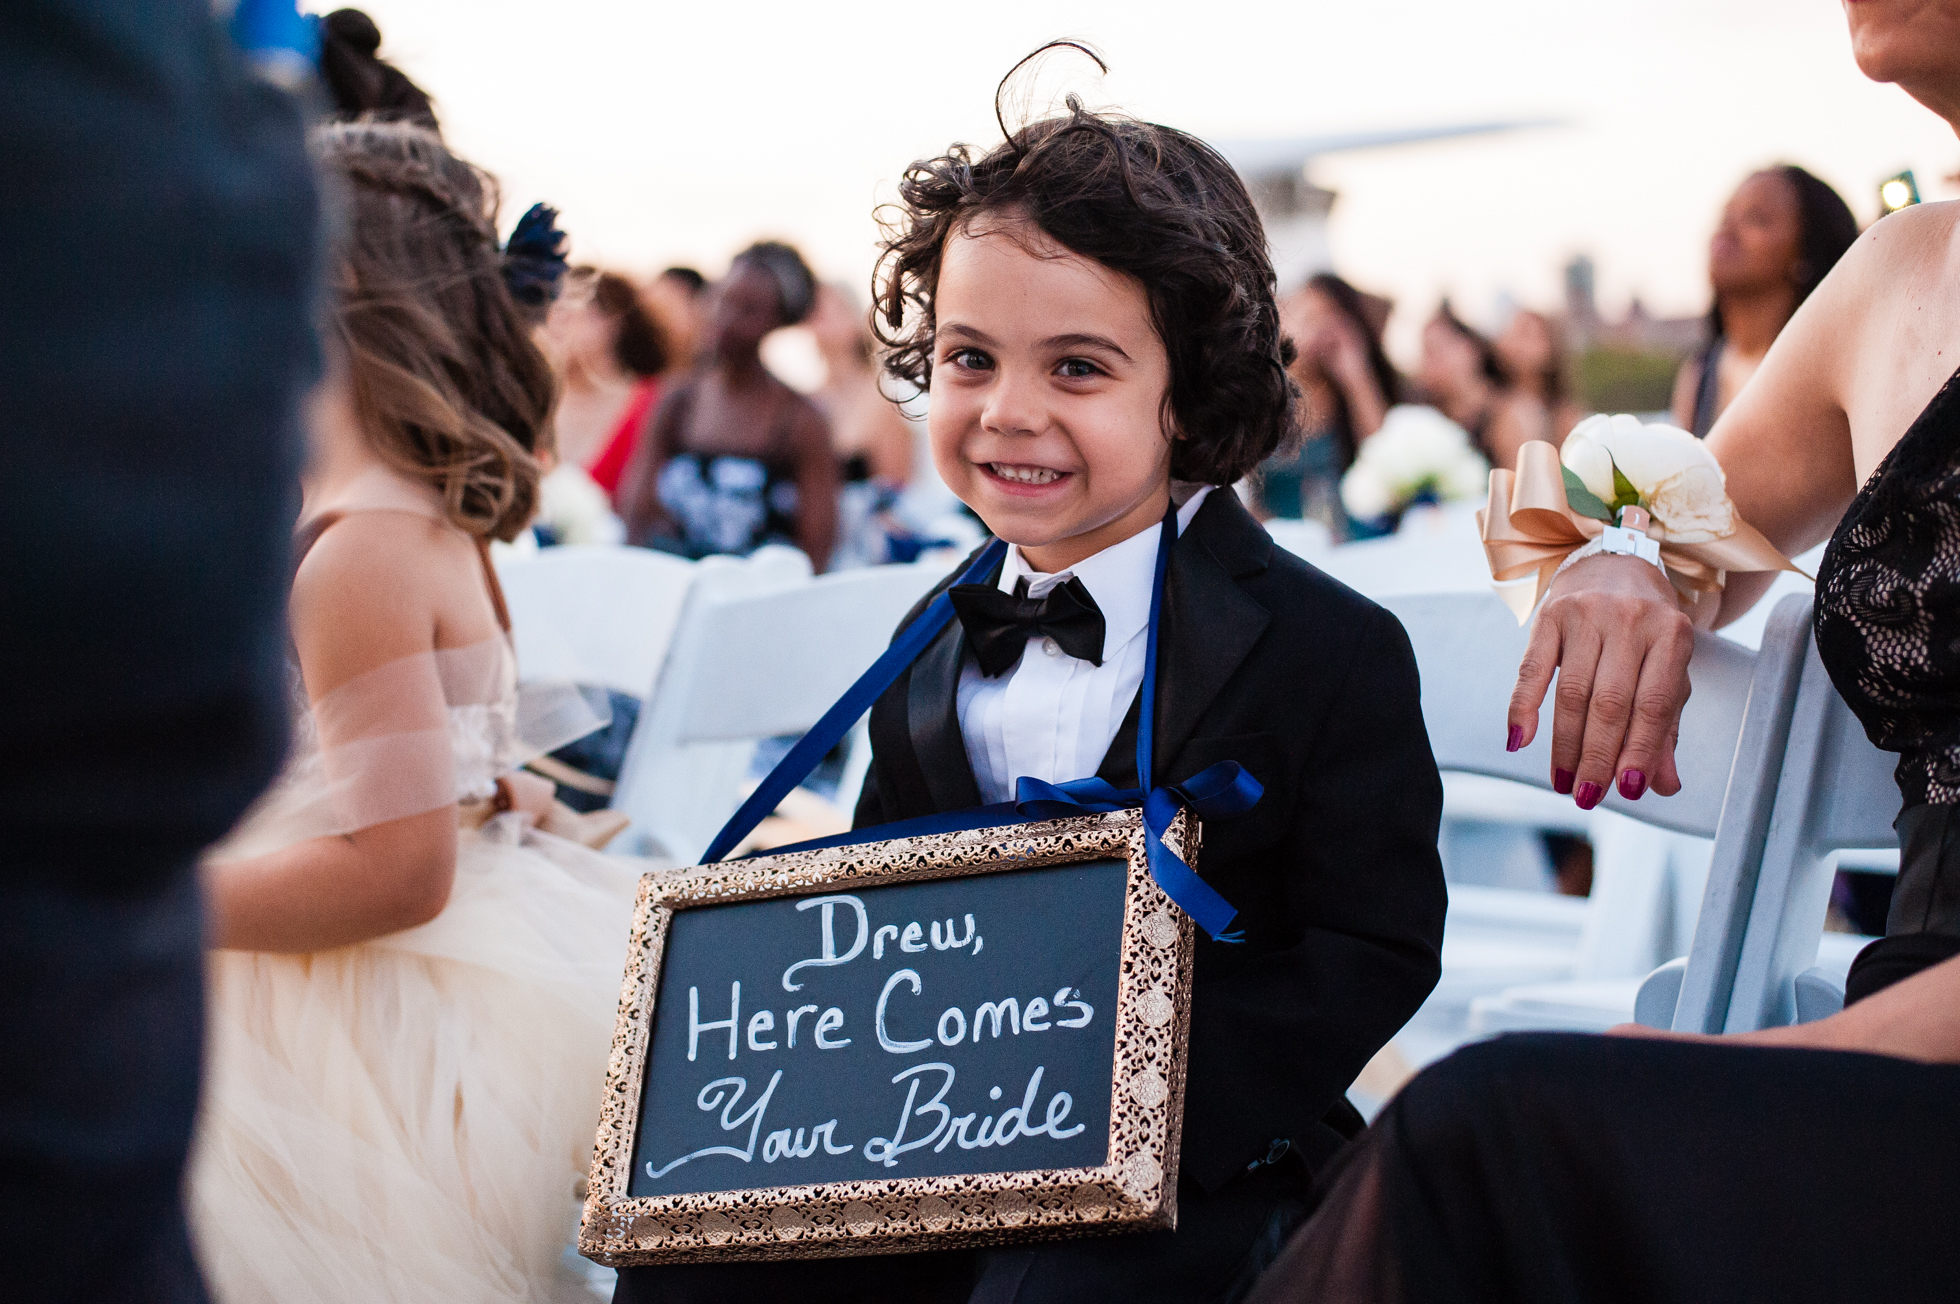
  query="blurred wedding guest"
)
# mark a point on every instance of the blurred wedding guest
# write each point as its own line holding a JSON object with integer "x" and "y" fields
{"x": 610, "y": 352}
{"x": 872, "y": 438}
{"x": 157, "y": 247}
{"x": 1347, "y": 385}
{"x": 1462, "y": 377}
{"x": 678, "y": 298}
{"x": 736, "y": 458}
{"x": 1781, "y": 232}
{"x": 359, "y": 81}
{"x": 1531, "y": 351}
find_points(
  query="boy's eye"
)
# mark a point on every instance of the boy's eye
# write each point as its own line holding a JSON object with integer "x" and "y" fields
{"x": 971, "y": 359}
{"x": 1077, "y": 368}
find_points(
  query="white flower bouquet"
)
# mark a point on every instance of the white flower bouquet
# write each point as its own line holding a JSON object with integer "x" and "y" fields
{"x": 1614, "y": 462}
{"x": 576, "y": 510}
{"x": 1418, "y": 455}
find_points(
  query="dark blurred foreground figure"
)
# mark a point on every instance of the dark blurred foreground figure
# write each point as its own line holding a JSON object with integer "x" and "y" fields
{"x": 156, "y": 245}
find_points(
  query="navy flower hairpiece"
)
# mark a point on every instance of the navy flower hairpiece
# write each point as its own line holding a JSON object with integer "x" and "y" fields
{"x": 534, "y": 257}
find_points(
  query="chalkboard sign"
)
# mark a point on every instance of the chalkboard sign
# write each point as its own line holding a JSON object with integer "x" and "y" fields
{"x": 965, "y": 1038}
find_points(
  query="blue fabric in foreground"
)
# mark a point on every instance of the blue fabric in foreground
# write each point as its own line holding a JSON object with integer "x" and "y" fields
{"x": 1219, "y": 790}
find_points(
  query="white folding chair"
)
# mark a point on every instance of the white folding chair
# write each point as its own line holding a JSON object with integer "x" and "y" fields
{"x": 1754, "y": 962}
{"x": 1436, "y": 551}
{"x": 594, "y": 615}
{"x": 1631, "y": 921}
{"x": 1467, "y": 649}
{"x": 752, "y": 660}
{"x": 1309, "y": 539}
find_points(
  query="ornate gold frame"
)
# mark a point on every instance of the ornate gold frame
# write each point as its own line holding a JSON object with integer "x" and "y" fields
{"x": 1136, "y": 1189}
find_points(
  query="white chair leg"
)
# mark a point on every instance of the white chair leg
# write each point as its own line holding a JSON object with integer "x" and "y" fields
{"x": 1627, "y": 918}
{"x": 1820, "y": 994}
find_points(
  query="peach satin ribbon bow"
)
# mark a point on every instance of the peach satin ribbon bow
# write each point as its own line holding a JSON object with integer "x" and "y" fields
{"x": 1527, "y": 526}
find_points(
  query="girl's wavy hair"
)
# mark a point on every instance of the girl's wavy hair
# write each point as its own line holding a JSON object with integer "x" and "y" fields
{"x": 450, "y": 388}
{"x": 1149, "y": 201}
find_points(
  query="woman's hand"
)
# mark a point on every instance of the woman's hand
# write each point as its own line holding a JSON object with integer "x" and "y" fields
{"x": 1611, "y": 629}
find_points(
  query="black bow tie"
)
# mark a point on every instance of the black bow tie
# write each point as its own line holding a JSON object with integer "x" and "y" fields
{"x": 999, "y": 625}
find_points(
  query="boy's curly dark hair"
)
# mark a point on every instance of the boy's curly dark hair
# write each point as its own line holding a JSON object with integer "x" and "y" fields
{"x": 1149, "y": 201}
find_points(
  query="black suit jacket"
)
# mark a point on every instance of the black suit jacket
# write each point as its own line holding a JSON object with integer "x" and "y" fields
{"x": 1268, "y": 662}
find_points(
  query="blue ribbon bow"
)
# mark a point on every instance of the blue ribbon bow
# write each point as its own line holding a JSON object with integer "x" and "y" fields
{"x": 1215, "y": 792}
{"x": 1212, "y": 793}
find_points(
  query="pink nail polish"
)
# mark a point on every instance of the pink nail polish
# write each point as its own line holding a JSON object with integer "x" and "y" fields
{"x": 1562, "y": 782}
{"x": 1632, "y": 784}
{"x": 1516, "y": 738}
{"x": 1588, "y": 795}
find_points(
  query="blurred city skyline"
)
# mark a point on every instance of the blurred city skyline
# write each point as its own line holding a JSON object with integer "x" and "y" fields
{"x": 678, "y": 133}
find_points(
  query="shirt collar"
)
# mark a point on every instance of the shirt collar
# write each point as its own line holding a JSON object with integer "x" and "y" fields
{"x": 1118, "y": 578}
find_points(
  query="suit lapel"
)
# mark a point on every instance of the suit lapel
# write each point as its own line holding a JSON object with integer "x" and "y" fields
{"x": 1119, "y": 763}
{"x": 1210, "y": 623}
{"x": 932, "y": 713}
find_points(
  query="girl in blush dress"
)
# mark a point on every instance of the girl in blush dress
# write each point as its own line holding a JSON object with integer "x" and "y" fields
{"x": 413, "y": 992}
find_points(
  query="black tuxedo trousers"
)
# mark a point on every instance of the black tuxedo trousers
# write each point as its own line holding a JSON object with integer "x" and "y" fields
{"x": 1264, "y": 661}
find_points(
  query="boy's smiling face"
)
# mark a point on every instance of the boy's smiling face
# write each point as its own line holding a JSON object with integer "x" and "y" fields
{"x": 1048, "y": 385}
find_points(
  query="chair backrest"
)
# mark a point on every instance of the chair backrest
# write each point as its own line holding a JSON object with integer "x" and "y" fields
{"x": 1729, "y": 752}
{"x": 1835, "y": 792}
{"x": 1436, "y": 550}
{"x": 1467, "y": 648}
{"x": 750, "y": 663}
{"x": 1763, "y": 910}
{"x": 1309, "y": 539}
{"x": 595, "y": 615}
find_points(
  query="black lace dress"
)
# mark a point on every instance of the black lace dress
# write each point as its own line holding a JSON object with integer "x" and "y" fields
{"x": 1888, "y": 630}
{"x": 1556, "y": 1167}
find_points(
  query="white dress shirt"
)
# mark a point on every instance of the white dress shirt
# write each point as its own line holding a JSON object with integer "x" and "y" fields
{"x": 1049, "y": 715}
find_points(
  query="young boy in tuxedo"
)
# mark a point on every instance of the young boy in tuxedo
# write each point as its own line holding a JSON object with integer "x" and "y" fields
{"x": 1092, "y": 309}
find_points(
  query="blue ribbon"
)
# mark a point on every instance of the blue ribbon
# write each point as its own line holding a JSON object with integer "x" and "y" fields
{"x": 837, "y": 721}
{"x": 1215, "y": 792}
{"x": 1212, "y": 793}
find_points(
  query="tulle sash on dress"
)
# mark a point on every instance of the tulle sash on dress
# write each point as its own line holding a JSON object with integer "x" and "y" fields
{"x": 410, "y": 736}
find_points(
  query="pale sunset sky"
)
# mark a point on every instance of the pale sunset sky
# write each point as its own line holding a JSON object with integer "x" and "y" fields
{"x": 678, "y": 132}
